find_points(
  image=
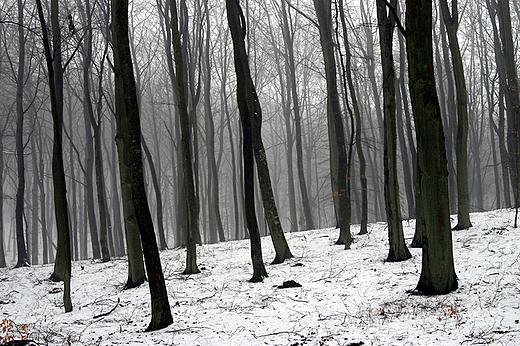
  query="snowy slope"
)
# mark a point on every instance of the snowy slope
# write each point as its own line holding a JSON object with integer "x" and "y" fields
{"x": 347, "y": 296}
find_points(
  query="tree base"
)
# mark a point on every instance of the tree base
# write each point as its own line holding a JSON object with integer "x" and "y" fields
{"x": 394, "y": 257}
{"x": 189, "y": 271}
{"x": 163, "y": 321}
{"x": 21, "y": 264}
{"x": 131, "y": 284}
{"x": 55, "y": 278}
{"x": 281, "y": 258}
{"x": 461, "y": 227}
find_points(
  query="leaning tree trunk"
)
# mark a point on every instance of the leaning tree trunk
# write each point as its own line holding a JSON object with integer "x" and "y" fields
{"x": 271, "y": 212}
{"x": 245, "y": 98}
{"x": 437, "y": 272}
{"x": 62, "y": 264}
{"x": 127, "y": 113}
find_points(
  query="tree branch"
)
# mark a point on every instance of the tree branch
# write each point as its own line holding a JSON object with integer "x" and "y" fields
{"x": 303, "y": 14}
{"x": 108, "y": 313}
{"x": 396, "y": 17}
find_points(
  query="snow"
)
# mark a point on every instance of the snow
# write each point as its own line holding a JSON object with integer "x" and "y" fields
{"x": 348, "y": 297}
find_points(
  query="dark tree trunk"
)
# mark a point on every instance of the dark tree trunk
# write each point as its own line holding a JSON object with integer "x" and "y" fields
{"x": 129, "y": 130}
{"x": 246, "y": 105}
{"x": 62, "y": 265}
{"x": 2, "y": 253}
{"x": 158, "y": 196}
{"x": 398, "y": 250}
{"x": 19, "y": 212}
{"x": 338, "y": 154}
{"x": 213, "y": 182}
{"x": 451, "y": 20}
{"x": 511, "y": 92}
{"x": 289, "y": 42}
{"x": 438, "y": 272}
{"x": 187, "y": 164}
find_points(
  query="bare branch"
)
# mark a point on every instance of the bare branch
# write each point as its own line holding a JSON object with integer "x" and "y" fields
{"x": 396, "y": 17}
{"x": 303, "y": 14}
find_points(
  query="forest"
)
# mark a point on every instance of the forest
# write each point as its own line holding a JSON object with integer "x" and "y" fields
{"x": 131, "y": 127}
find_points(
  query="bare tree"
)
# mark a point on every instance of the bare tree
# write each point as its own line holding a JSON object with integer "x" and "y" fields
{"x": 398, "y": 250}
{"x": 129, "y": 137}
{"x": 451, "y": 20}
{"x": 338, "y": 155}
{"x": 19, "y": 213}
{"x": 437, "y": 272}
{"x": 187, "y": 165}
{"x": 62, "y": 265}
{"x": 246, "y": 105}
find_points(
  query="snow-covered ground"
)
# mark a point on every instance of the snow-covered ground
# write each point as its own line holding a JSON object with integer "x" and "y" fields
{"x": 348, "y": 297}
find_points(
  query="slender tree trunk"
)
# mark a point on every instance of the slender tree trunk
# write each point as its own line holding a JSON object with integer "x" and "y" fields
{"x": 129, "y": 130}
{"x": 213, "y": 200}
{"x": 158, "y": 195}
{"x": 511, "y": 92}
{"x": 338, "y": 154}
{"x": 289, "y": 43}
{"x": 2, "y": 253}
{"x": 358, "y": 129}
{"x": 187, "y": 164}
{"x": 19, "y": 213}
{"x": 271, "y": 212}
{"x": 245, "y": 98}
{"x": 461, "y": 145}
{"x": 437, "y": 272}
{"x": 62, "y": 265}
{"x": 398, "y": 250}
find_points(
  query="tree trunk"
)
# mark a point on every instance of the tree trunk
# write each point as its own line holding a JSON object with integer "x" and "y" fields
{"x": 358, "y": 128}
{"x": 289, "y": 43}
{"x": 158, "y": 195}
{"x": 187, "y": 164}
{"x": 20, "y": 162}
{"x": 2, "y": 253}
{"x": 62, "y": 265}
{"x": 512, "y": 95}
{"x": 398, "y": 250}
{"x": 271, "y": 212}
{"x": 437, "y": 272}
{"x": 213, "y": 191}
{"x": 129, "y": 130}
{"x": 338, "y": 155}
{"x": 461, "y": 145}
{"x": 246, "y": 105}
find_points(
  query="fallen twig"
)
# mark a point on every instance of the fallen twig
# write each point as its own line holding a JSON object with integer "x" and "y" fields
{"x": 108, "y": 313}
